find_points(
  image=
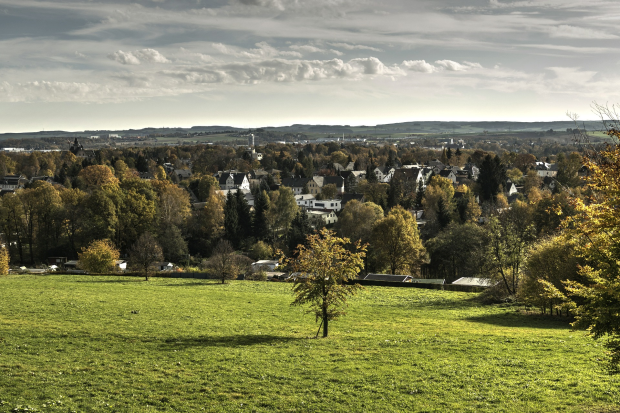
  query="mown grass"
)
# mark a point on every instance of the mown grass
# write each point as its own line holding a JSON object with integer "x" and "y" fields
{"x": 79, "y": 343}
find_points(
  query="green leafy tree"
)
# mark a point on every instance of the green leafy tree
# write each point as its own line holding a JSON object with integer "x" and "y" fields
{"x": 324, "y": 266}
{"x": 396, "y": 243}
{"x": 596, "y": 228}
{"x": 99, "y": 257}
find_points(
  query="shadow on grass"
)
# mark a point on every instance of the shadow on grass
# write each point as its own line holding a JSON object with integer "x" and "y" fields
{"x": 227, "y": 341}
{"x": 520, "y": 320}
{"x": 203, "y": 283}
{"x": 122, "y": 280}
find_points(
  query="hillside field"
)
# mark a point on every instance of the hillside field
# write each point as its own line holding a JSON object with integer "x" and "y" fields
{"x": 81, "y": 343}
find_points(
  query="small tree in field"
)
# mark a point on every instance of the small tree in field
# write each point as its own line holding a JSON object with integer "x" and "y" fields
{"x": 99, "y": 257}
{"x": 145, "y": 252}
{"x": 325, "y": 265}
{"x": 226, "y": 263}
{"x": 4, "y": 261}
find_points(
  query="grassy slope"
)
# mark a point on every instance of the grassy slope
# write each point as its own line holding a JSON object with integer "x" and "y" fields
{"x": 182, "y": 345}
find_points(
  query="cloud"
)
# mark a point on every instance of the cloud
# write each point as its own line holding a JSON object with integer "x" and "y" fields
{"x": 137, "y": 57}
{"x": 574, "y": 32}
{"x": 281, "y": 70}
{"x": 419, "y": 66}
{"x": 307, "y": 48}
{"x": 263, "y": 50}
{"x": 348, "y": 46}
{"x": 453, "y": 66}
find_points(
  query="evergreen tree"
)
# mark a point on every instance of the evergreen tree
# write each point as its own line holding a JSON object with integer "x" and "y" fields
{"x": 371, "y": 177}
{"x": 244, "y": 216}
{"x": 491, "y": 178}
{"x": 419, "y": 195}
{"x": 231, "y": 219}
{"x": 395, "y": 192}
{"x": 449, "y": 154}
{"x": 300, "y": 228}
{"x": 443, "y": 213}
{"x": 261, "y": 205}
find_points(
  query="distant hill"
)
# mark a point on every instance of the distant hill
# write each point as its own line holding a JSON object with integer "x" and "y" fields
{"x": 402, "y": 127}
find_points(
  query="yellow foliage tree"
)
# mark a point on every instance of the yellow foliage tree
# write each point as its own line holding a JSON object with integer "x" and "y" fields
{"x": 99, "y": 257}
{"x": 324, "y": 266}
{"x": 597, "y": 227}
{"x": 4, "y": 261}
{"x": 396, "y": 242}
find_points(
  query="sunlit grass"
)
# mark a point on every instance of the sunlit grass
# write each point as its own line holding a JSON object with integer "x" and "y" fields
{"x": 121, "y": 344}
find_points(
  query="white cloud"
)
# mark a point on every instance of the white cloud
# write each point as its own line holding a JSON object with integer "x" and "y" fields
{"x": 137, "y": 57}
{"x": 348, "y": 46}
{"x": 453, "y": 66}
{"x": 574, "y": 32}
{"x": 307, "y": 48}
{"x": 419, "y": 66}
{"x": 262, "y": 51}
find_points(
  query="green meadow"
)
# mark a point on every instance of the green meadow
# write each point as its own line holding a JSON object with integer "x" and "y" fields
{"x": 79, "y": 343}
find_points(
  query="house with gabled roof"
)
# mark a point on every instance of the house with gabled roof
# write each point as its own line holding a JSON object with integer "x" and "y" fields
{"x": 296, "y": 183}
{"x": 234, "y": 180}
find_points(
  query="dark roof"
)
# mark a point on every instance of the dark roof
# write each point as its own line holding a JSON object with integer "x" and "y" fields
{"x": 336, "y": 180}
{"x": 407, "y": 173}
{"x": 296, "y": 182}
{"x": 183, "y": 173}
{"x": 446, "y": 173}
{"x": 237, "y": 177}
{"x": 388, "y": 277}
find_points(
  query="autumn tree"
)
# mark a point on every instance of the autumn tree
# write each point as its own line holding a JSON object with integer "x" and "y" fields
{"x": 144, "y": 252}
{"x": 324, "y": 266}
{"x": 95, "y": 176}
{"x": 596, "y": 227}
{"x": 225, "y": 263}
{"x": 396, "y": 242}
{"x": 99, "y": 257}
{"x": 4, "y": 260}
{"x": 357, "y": 219}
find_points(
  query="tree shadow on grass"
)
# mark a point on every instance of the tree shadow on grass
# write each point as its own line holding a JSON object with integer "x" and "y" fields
{"x": 204, "y": 283}
{"x": 241, "y": 340}
{"x": 122, "y": 280}
{"x": 520, "y": 320}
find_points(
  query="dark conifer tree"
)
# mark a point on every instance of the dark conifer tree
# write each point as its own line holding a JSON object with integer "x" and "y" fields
{"x": 231, "y": 219}
{"x": 261, "y": 205}
{"x": 299, "y": 230}
{"x": 492, "y": 177}
{"x": 244, "y": 216}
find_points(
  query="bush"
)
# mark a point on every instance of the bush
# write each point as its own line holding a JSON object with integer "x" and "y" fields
{"x": 4, "y": 261}
{"x": 256, "y": 276}
{"x": 99, "y": 257}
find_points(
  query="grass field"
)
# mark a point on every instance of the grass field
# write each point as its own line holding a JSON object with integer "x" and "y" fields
{"x": 79, "y": 343}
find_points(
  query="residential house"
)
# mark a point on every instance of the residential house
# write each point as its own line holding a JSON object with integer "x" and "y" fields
{"x": 472, "y": 170}
{"x": 328, "y": 204}
{"x": 265, "y": 265}
{"x": 327, "y": 217}
{"x": 12, "y": 182}
{"x": 384, "y": 173}
{"x": 297, "y": 184}
{"x": 389, "y": 278}
{"x": 544, "y": 169}
{"x": 305, "y": 201}
{"x": 449, "y": 174}
{"x": 510, "y": 188}
{"x": 183, "y": 173}
{"x": 316, "y": 184}
{"x": 234, "y": 180}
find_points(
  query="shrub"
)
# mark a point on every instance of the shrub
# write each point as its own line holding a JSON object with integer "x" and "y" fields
{"x": 99, "y": 257}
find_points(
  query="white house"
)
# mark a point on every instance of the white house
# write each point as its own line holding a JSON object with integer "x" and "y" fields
{"x": 384, "y": 173}
{"x": 327, "y": 217}
{"x": 305, "y": 201}
{"x": 265, "y": 265}
{"x": 328, "y": 204}
{"x": 234, "y": 180}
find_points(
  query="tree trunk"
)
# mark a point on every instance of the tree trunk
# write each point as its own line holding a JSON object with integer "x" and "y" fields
{"x": 325, "y": 329}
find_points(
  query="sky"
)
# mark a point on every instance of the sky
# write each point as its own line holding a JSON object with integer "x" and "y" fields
{"x": 89, "y": 65}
